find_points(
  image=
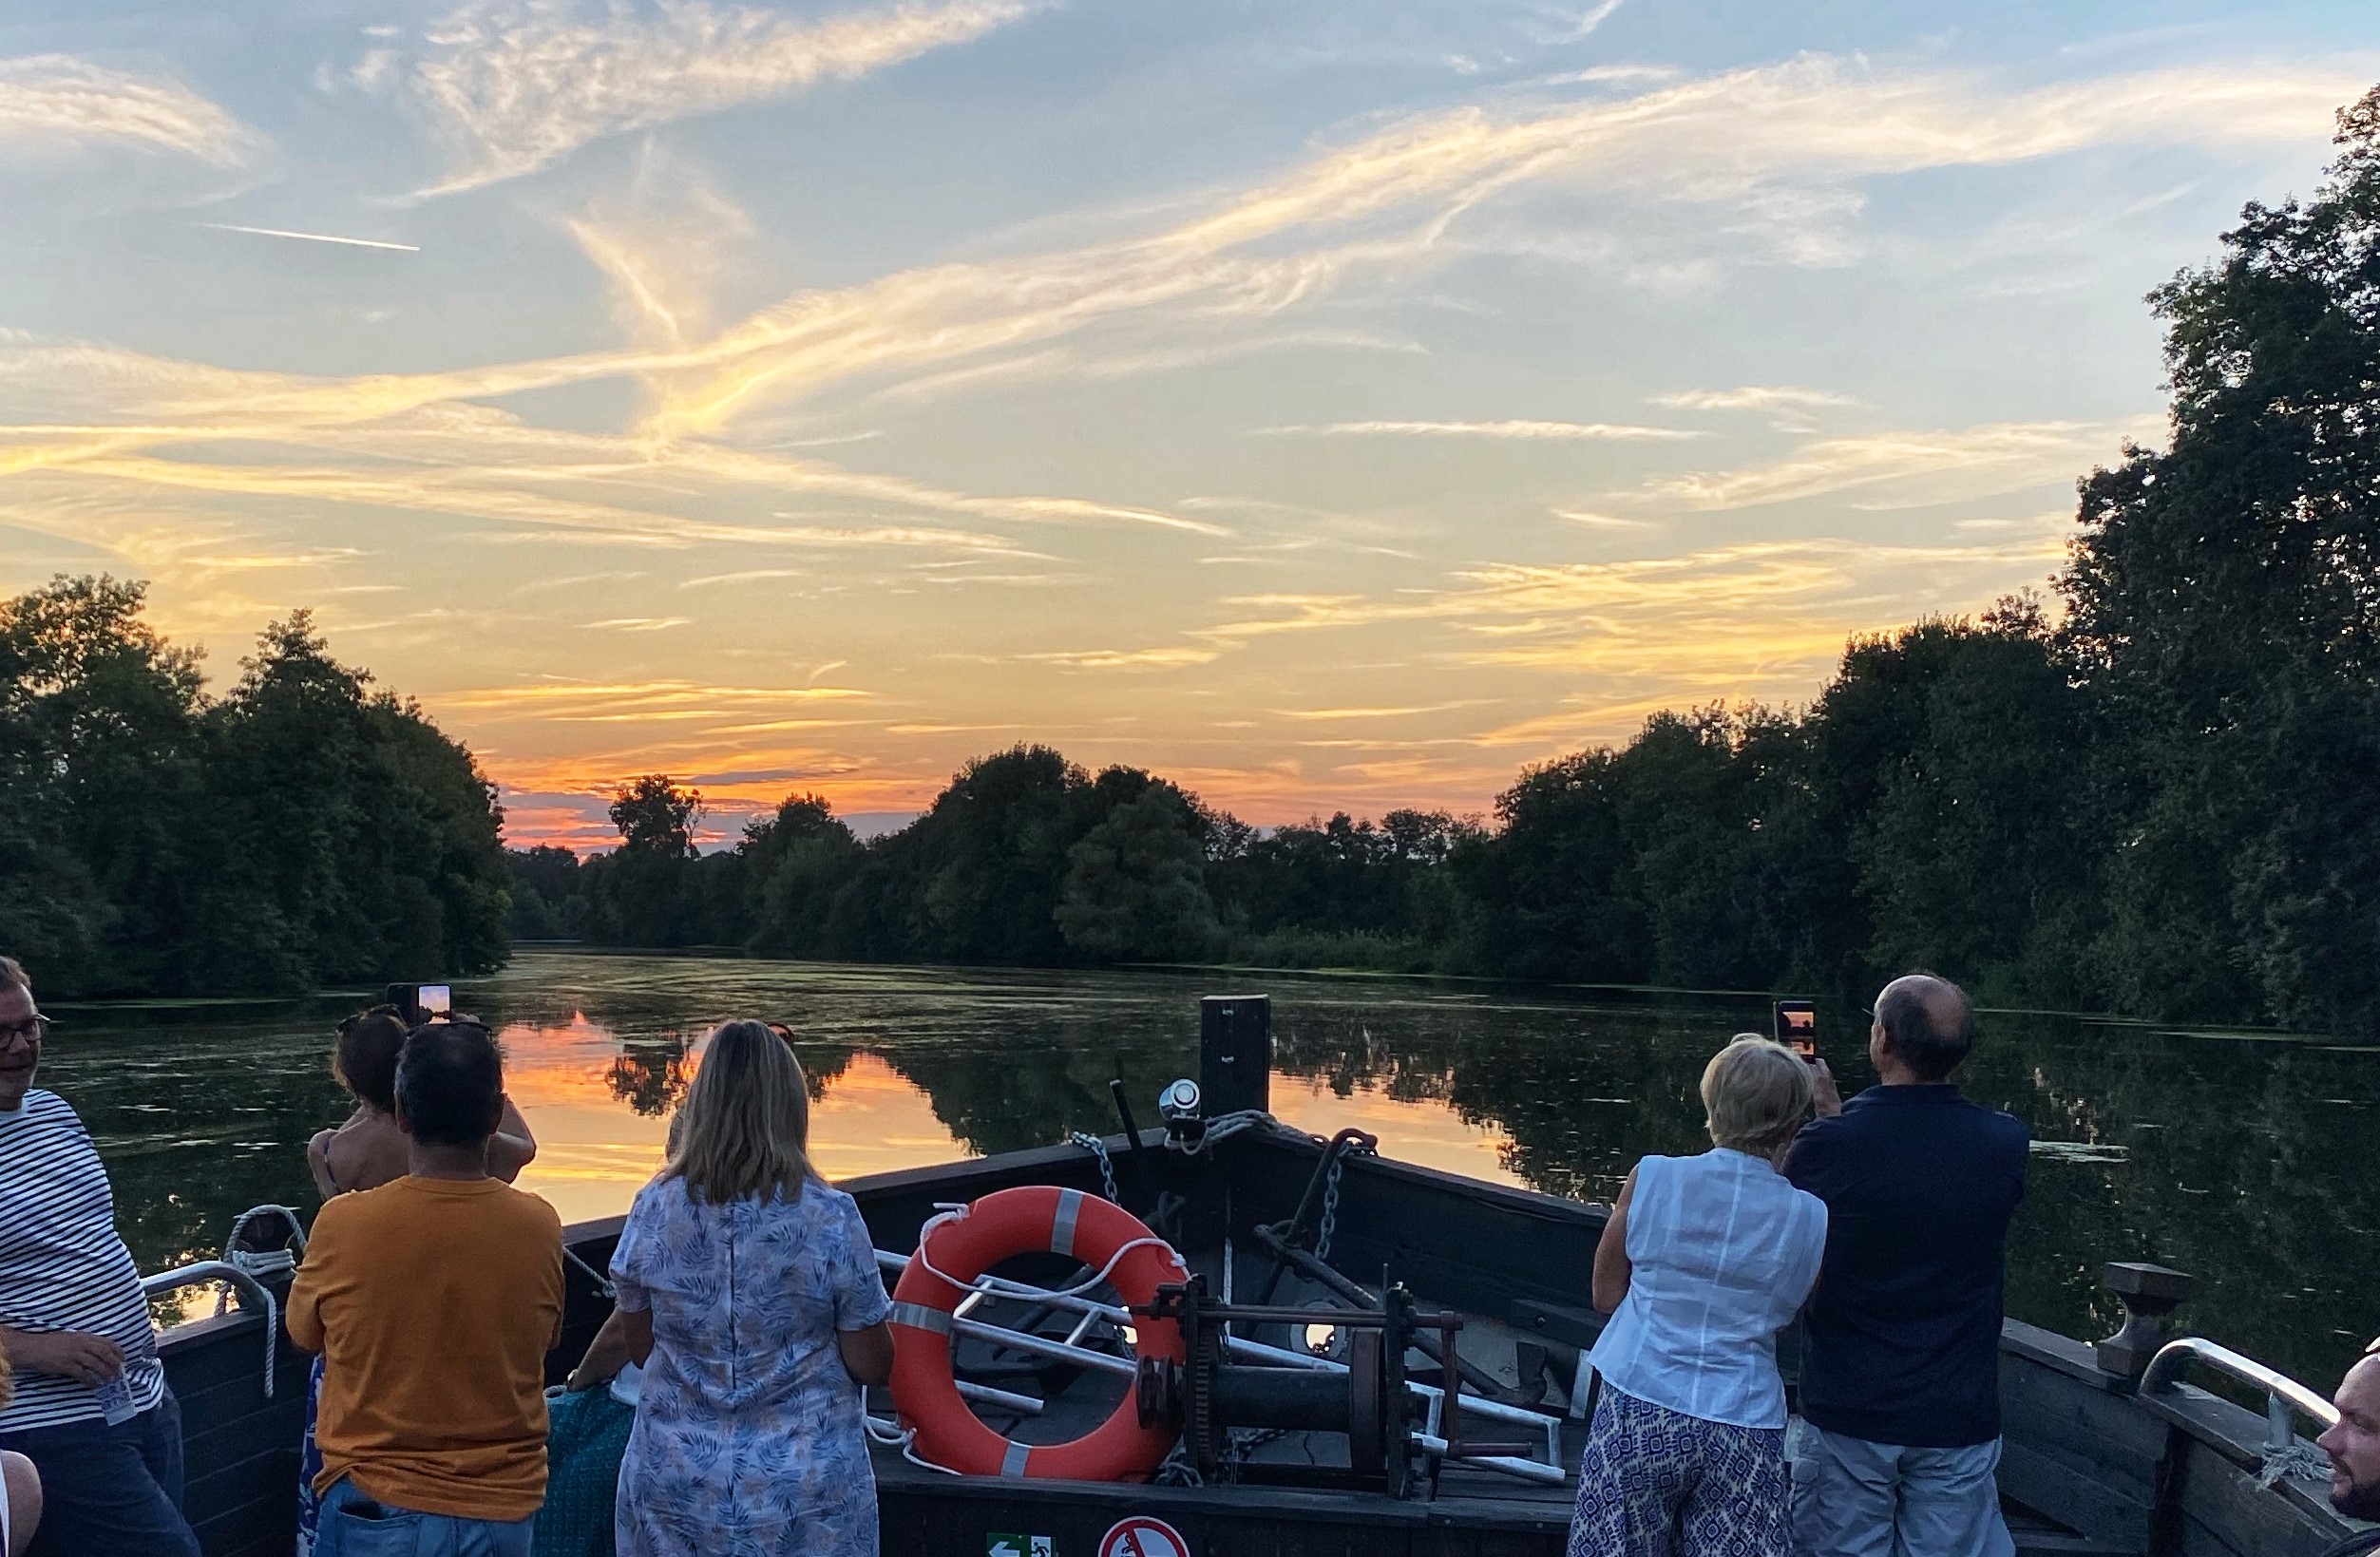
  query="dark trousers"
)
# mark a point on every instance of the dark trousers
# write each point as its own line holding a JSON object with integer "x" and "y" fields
{"x": 110, "y": 1492}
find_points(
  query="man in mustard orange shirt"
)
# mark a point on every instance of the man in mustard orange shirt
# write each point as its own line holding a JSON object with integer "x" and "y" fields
{"x": 434, "y": 1300}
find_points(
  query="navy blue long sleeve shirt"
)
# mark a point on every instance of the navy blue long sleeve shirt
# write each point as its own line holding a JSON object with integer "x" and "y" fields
{"x": 1903, "y": 1338}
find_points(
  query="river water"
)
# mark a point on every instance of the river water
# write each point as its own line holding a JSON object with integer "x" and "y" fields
{"x": 2245, "y": 1160}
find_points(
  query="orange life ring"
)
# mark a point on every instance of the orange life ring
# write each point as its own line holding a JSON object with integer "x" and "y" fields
{"x": 961, "y": 1248}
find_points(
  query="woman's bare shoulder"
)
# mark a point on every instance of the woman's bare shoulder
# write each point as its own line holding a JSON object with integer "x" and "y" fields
{"x": 365, "y": 1153}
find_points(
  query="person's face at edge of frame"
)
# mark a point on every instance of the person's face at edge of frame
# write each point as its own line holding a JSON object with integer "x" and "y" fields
{"x": 22, "y": 1054}
{"x": 2353, "y": 1443}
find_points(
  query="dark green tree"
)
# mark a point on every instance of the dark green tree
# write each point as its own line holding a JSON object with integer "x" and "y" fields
{"x": 655, "y": 815}
{"x": 100, "y": 755}
{"x": 1135, "y": 886}
{"x": 1978, "y": 853}
{"x": 796, "y": 863}
{"x": 301, "y": 830}
{"x": 2224, "y": 601}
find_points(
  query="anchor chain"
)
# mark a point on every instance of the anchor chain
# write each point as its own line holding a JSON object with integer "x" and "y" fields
{"x": 1330, "y": 1208}
{"x": 1106, "y": 1168}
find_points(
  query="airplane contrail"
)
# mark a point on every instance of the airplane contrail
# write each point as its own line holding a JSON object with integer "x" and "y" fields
{"x": 311, "y": 237}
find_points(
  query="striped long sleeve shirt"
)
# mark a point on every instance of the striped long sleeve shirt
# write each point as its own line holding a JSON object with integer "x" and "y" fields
{"x": 62, "y": 1264}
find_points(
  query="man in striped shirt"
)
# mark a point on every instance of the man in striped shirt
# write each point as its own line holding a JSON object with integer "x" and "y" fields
{"x": 92, "y": 1411}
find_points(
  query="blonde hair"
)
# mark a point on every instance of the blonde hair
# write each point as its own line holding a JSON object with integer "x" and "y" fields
{"x": 1757, "y": 1093}
{"x": 744, "y": 1128}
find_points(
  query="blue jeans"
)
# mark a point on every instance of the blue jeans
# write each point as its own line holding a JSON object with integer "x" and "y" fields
{"x": 110, "y": 1492}
{"x": 1852, "y": 1498}
{"x": 354, "y": 1525}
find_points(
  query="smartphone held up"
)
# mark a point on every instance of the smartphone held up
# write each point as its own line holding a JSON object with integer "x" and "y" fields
{"x": 420, "y": 1003}
{"x": 1797, "y": 1026}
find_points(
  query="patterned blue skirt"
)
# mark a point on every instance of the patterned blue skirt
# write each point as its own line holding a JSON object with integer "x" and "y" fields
{"x": 1658, "y": 1483}
{"x": 309, "y": 1467}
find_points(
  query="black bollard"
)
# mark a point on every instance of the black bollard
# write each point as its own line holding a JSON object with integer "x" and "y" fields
{"x": 2148, "y": 1294}
{"x": 1235, "y": 1053}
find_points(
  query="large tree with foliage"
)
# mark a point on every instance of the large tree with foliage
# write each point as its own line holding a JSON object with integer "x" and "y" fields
{"x": 2224, "y": 600}
{"x": 301, "y": 830}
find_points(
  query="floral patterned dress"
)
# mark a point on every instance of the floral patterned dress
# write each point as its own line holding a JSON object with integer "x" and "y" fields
{"x": 749, "y": 1439}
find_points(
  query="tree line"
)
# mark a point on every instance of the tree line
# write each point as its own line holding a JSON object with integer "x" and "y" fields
{"x": 2156, "y": 790}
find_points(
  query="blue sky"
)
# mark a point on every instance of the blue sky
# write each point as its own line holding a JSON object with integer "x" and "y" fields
{"x": 1326, "y": 404}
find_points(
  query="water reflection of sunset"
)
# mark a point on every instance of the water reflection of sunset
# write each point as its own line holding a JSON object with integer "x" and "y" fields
{"x": 586, "y": 1095}
{"x": 1421, "y": 1131}
{"x": 601, "y": 1105}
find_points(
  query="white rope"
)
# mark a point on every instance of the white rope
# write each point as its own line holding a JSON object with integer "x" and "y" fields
{"x": 1224, "y": 1127}
{"x": 603, "y": 1282}
{"x": 260, "y": 1263}
{"x": 1089, "y": 1284}
{"x": 892, "y": 1434}
{"x": 2300, "y": 1460}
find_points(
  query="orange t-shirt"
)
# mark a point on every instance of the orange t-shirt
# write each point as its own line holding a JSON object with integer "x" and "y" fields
{"x": 433, "y": 1302}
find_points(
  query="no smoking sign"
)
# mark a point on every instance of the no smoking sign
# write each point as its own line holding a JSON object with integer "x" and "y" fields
{"x": 1141, "y": 1536}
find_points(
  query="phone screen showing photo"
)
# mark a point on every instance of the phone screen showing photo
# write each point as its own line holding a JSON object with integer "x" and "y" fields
{"x": 1798, "y": 1027}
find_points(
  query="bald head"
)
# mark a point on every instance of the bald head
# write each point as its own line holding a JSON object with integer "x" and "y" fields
{"x": 1926, "y": 1024}
{"x": 2353, "y": 1444}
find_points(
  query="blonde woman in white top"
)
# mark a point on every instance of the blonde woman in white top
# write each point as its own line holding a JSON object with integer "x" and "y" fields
{"x": 1703, "y": 1261}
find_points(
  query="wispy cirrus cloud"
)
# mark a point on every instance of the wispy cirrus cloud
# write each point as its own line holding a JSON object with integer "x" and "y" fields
{"x": 1760, "y": 139}
{"x": 514, "y": 86}
{"x": 1907, "y": 468}
{"x": 50, "y": 100}
{"x": 1125, "y": 660}
{"x": 1756, "y": 397}
{"x": 1525, "y": 430}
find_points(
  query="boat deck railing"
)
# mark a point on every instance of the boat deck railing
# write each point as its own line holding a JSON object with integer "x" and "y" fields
{"x": 254, "y": 1295}
{"x": 2282, "y": 1394}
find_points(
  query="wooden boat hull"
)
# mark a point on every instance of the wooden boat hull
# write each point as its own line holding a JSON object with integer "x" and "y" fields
{"x": 2090, "y": 1467}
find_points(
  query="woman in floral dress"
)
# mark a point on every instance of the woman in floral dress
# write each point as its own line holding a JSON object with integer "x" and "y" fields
{"x": 749, "y": 1290}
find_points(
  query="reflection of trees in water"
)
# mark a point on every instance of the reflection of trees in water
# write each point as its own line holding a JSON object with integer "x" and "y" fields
{"x": 2245, "y": 1163}
{"x": 1578, "y": 1094}
{"x": 1030, "y": 1093}
{"x": 651, "y": 1076}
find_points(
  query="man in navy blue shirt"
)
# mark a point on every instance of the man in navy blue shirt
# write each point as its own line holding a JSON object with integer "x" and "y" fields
{"x": 1900, "y": 1368}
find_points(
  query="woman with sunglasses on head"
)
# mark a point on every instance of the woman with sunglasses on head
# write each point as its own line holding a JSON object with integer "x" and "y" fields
{"x": 364, "y": 1153}
{"x": 748, "y": 1290}
{"x": 368, "y": 1149}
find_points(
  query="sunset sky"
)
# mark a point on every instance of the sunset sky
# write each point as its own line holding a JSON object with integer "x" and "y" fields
{"x": 1324, "y": 403}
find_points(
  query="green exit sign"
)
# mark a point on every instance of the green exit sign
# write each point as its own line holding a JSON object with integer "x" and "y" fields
{"x": 1019, "y": 1546}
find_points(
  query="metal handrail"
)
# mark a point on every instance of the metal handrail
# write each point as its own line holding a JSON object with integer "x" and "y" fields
{"x": 252, "y": 1294}
{"x": 2164, "y": 1371}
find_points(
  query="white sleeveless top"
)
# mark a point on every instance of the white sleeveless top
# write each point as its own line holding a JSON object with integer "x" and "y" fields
{"x": 1722, "y": 1251}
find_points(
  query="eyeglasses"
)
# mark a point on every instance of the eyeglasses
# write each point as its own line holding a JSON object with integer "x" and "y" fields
{"x": 30, "y": 1033}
